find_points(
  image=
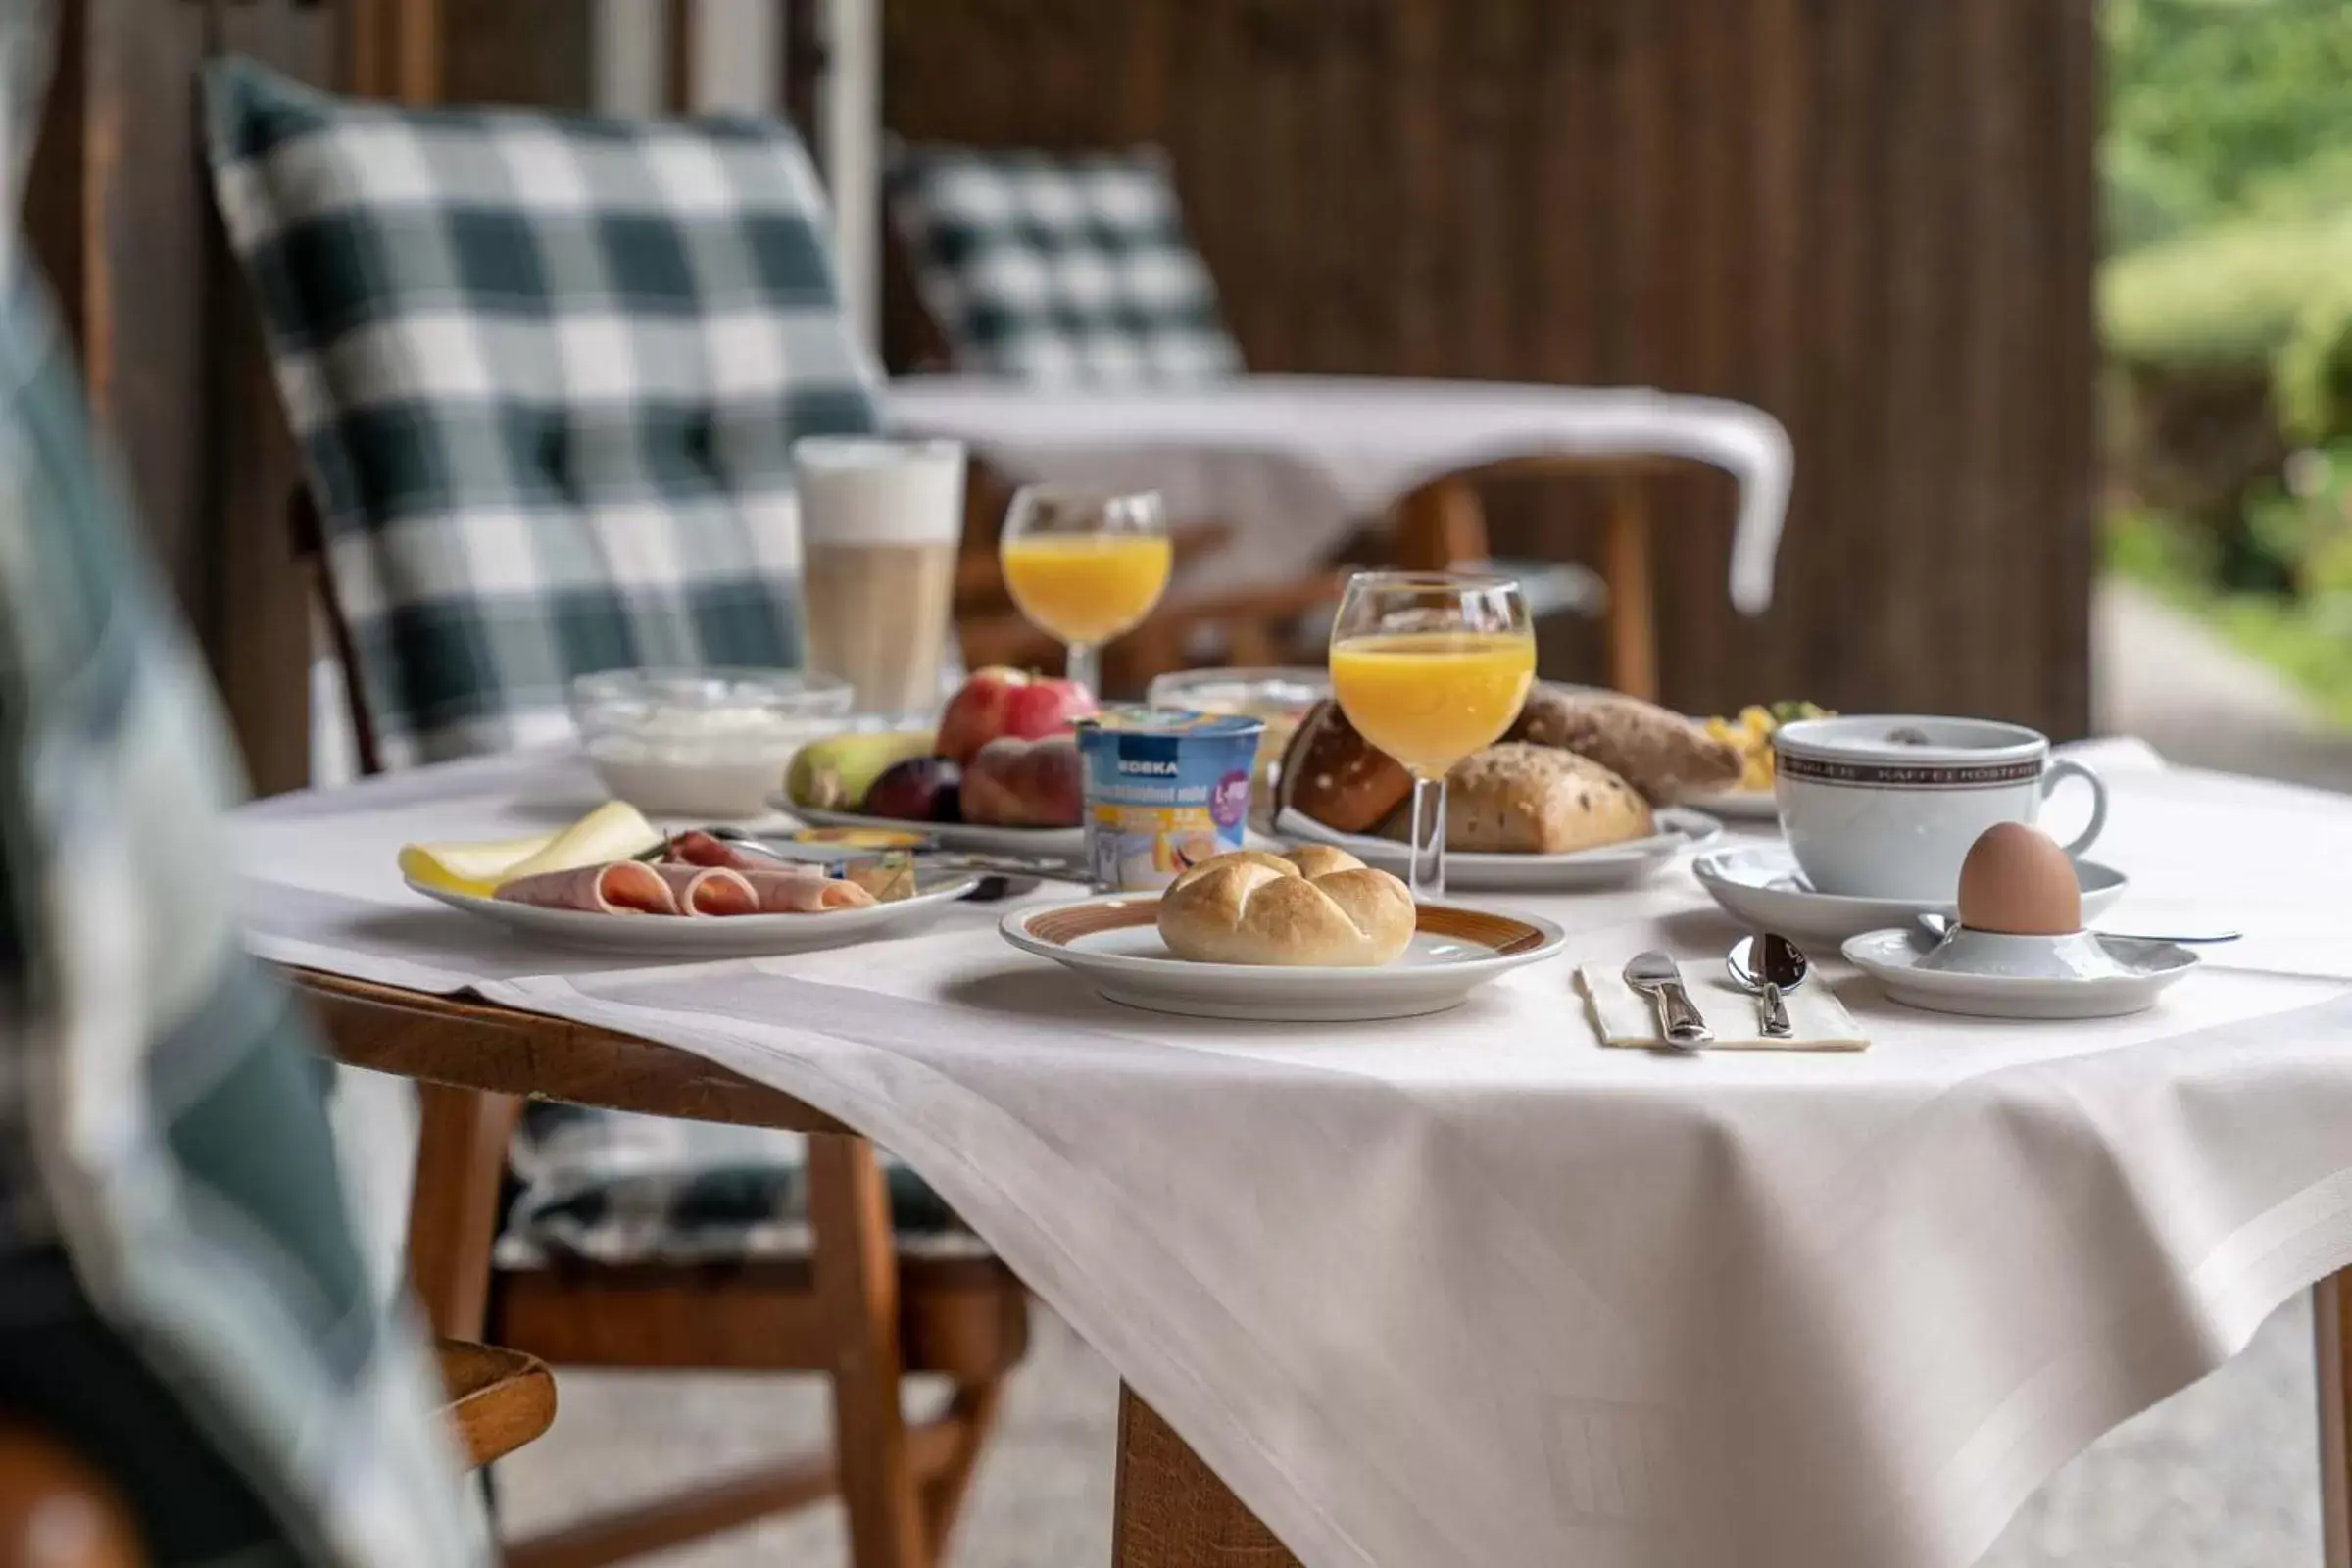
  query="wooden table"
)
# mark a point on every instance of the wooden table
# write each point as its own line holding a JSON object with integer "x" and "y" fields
{"x": 1172, "y": 1511}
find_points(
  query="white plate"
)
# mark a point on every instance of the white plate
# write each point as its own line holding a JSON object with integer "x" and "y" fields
{"x": 2141, "y": 971}
{"x": 1608, "y": 866}
{"x": 1059, "y": 843}
{"x": 1738, "y": 805}
{"x": 1114, "y": 944}
{"x": 1762, "y": 886}
{"x": 732, "y": 936}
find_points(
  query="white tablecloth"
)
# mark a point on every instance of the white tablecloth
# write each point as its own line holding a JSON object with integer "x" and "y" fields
{"x": 1295, "y": 462}
{"x": 1471, "y": 1289}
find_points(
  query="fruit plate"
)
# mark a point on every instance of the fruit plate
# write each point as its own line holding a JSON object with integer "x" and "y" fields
{"x": 691, "y": 937}
{"x": 1607, "y": 865}
{"x": 1113, "y": 944}
{"x": 1045, "y": 843}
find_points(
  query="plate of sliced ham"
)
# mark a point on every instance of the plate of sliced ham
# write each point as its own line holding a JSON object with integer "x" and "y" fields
{"x": 716, "y": 902}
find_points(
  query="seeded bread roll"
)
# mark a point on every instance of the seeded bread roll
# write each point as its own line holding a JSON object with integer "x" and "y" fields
{"x": 1316, "y": 906}
{"x": 1516, "y": 798}
{"x": 1335, "y": 776}
{"x": 1658, "y": 752}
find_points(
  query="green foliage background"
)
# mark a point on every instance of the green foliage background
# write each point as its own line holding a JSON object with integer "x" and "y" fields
{"x": 2227, "y": 167}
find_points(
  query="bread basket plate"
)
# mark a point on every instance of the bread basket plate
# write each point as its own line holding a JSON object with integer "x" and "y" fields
{"x": 696, "y": 937}
{"x": 1054, "y": 843}
{"x": 1113, "y": 943}
{"x": 1607, "y": 865}
{"x": 1740, "y": 805}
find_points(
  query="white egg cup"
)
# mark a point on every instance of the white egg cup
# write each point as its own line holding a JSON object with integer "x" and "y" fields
{"x": 2077, "y": 956}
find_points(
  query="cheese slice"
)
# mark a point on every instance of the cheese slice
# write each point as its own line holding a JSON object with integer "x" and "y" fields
{"x": 613, "y": 831}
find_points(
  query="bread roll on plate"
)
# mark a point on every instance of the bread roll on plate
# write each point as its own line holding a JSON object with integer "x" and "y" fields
{"x": 1314, "y": 907}
{"x": 1517, "y": 799}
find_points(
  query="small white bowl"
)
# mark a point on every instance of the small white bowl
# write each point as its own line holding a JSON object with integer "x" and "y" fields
{"x": 702, "y": 743}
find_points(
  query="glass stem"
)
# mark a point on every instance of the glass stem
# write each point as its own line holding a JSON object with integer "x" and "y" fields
{"x": 1084, "y": 665}
{"x": 1428, "y": 878}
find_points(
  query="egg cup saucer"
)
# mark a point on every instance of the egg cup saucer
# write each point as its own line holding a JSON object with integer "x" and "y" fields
{"x": 1988, "y": 975}
{"x": 1762, "y": 887}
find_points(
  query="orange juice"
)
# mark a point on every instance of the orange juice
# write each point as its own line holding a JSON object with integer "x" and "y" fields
{"x": 1086, "y": 588}
{"x": 1431, "y": 697}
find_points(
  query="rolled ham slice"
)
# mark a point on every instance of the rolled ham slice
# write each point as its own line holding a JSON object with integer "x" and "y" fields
{"x": 703, "y": 848}
{"x": 709, "y": 890}
{"x": 804, "y": 892}
{"x": 617, "y": 887}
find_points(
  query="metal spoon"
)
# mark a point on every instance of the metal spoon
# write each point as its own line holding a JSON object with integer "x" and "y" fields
{"x": 1769, "y": 965}
{"x": 1935, "y": 925}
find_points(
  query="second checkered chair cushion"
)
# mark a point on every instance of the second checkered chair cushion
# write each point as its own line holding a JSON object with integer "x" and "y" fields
{"x": 546, "y": 372}
{"x": 1059, "y": 269}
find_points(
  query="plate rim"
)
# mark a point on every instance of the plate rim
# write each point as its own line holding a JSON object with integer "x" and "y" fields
{"x": 1950, "y": 982}
{"x": 1655, "y": 847}
{"x": 1700, "y": 869}
{"x": 826, "y": 817}
{"x": 1012, "y": 927}
{"x": 746, "y": 925}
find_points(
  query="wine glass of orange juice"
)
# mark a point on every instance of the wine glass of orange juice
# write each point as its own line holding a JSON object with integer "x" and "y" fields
{"x": 1085, "y": 566}
{"x": 1431, "y": 667}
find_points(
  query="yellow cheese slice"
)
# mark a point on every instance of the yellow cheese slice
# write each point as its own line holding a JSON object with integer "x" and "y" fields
{"x": 468, "y": 868}
{"x": 613, "y": 831}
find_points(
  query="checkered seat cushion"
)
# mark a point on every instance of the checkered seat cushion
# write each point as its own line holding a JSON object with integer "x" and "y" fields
{"x": 1059, "y": 269}
{"x": 547, "y": 373}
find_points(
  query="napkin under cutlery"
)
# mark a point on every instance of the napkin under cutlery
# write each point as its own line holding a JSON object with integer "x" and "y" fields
{"x": 1623, "y": 1017}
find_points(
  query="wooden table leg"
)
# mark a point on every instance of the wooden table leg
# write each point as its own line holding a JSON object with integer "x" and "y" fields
{"x": 856, "y": 1270}
{"x": 1626, "y": 568}
{"x": 462, "y": 1138}
{"x": 1441, "y": 526}
{"x": 1172, "y": 1511}
{"x": 2332, "y": 1325}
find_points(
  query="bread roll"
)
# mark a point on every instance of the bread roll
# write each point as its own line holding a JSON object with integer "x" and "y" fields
{"x": 1658, "y": 752}
{"x": 1316, "y": 906}
{"x": 1335, "y": 776}
{"x": 1531, "y": 799}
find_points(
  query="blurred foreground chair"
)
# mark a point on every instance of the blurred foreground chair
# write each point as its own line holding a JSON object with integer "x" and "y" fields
{"x": 547, "y": 373}
{"x": 196, "y": 1365}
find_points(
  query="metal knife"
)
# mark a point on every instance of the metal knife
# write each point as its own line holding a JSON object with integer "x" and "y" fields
{"x": 1657, "y": 977}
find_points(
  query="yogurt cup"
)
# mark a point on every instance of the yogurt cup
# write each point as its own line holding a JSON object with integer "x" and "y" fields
{"x": 1165, "y": 789}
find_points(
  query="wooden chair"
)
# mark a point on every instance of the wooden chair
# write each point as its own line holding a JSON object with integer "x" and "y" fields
{"x": 57, "y": 1510}
{"x": 852, "y": 1310}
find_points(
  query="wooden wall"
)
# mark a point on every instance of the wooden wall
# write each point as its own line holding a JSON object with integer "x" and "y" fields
{"x": 1875, "y": 220}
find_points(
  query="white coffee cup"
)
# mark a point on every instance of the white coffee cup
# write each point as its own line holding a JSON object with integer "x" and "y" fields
{"x": 1886, "y": 807}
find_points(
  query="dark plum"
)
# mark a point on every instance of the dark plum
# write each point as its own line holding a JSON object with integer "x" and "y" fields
{"x": 915, "y": 790}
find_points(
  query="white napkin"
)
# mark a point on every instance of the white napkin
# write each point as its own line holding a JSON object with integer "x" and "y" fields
{"x": 1623, "y": 1017}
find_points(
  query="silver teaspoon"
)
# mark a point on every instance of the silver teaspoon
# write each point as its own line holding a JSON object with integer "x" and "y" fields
{"x": 1769, "y": 965}
{"x": 1935, "y": 925}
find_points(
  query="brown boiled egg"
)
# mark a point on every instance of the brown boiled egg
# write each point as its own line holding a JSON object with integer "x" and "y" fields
{"x": 2016, "y": 881}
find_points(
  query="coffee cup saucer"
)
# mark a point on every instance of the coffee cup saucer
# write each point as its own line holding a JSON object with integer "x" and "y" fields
{"x": 1762, "y": 887}
{"x": 1988, "y": 975}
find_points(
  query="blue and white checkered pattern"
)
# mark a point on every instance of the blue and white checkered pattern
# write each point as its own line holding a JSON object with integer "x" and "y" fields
{"x": 546, "y": 372}
{"x": 1060, "y": 270}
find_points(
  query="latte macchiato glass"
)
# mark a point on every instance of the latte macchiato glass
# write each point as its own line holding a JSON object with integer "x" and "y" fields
{"x": 1886, "y": 807}
{"x": 881, "y": 523}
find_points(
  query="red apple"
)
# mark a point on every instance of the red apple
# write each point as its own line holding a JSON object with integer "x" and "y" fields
{"x": 997, "y": 701}
{"x": 1019, "y": 783}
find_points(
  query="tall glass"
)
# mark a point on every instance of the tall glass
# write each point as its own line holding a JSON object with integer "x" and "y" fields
{"x": 1430, "y": 667}
{"x": 881, "y": 521}
{"x": 1085, "y": 566}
